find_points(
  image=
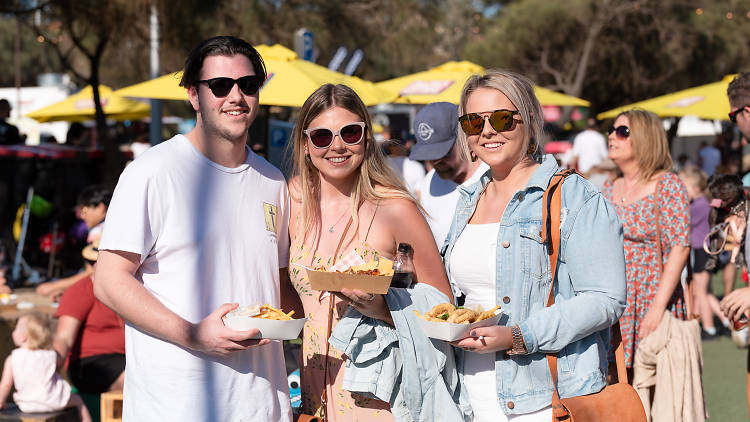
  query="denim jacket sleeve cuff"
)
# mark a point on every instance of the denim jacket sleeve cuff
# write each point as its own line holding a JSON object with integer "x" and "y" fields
{"x": 528, "y": 338}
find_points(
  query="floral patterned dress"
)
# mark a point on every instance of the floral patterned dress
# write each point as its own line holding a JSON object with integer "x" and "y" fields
{"x": 342, "y": 405}
{"x": 640, "y": 243}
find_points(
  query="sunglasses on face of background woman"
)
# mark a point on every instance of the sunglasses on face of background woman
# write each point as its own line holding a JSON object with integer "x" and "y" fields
{"x": 350, "y": 134}
{"x": 621, "y": 131}
{"x": 500, "y": 120}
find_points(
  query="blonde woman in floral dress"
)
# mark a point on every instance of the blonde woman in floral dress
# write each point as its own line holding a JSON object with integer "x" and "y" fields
{"x": 638, "y": 145}
{"x": 343, "y": 188}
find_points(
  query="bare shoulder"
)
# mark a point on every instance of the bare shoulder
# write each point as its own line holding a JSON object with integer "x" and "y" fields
{"x": 399, "y": 207}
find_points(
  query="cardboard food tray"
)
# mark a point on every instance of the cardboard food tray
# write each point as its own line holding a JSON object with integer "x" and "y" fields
{"x": 448, "y": 331}
{"x": 269, "y": 328}
{"x": 334, "y": 282}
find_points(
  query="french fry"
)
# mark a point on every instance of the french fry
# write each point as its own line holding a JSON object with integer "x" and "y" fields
{"x": 269, "y": 312}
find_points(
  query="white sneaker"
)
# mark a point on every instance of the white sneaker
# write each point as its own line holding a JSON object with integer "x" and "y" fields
{"x": 740, "y": 337}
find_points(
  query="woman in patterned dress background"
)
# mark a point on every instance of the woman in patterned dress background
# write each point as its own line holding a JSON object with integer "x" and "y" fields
{"x": 638, "y": 145}
{"x": 338, "y": 179}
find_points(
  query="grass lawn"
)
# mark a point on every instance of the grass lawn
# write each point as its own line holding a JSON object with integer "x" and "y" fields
{"x": 724, "y": 372}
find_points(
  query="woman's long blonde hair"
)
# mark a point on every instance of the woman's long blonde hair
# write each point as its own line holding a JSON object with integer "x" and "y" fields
{"x": 649, "y": 142}
{"x": 374, "y": 178}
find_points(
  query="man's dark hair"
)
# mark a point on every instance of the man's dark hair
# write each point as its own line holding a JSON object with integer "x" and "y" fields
{"x": 219, "y": 46}
{"x": 739, "y": 90}
{"x": 4, "y": 106}
{"x": 95, "y": 195}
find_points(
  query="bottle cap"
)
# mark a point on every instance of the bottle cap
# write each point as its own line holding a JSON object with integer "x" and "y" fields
{"x": 404, "y": 247}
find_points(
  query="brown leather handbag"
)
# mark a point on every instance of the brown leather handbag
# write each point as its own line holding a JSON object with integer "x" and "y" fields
{"x": 618, "y": 402}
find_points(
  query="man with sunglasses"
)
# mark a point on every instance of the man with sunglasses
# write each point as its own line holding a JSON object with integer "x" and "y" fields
{"x": 196, "y": 226}
{"x": 737, "y": 303}
{"x": 436, "y": 127}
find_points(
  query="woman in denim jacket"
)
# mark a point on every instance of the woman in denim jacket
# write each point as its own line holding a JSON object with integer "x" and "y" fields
{"x": 495, "y": 255}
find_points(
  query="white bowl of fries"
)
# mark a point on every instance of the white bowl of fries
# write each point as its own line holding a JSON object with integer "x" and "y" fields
{"x": 450, "y": 323}
{"x": 271, "y": 323}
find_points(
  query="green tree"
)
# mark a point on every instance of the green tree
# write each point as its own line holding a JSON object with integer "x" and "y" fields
{"x": 613, "y": 52}
{"x": 33, "y": 54}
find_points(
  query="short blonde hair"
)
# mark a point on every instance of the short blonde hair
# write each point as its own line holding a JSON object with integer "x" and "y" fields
{"x": 695, "y": 176}
{"x": 38, "y": 330}
{"x": 649, "y": 142}
{"x": 520, "y": 92}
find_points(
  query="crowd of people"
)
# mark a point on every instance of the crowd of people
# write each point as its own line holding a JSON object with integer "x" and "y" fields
{"x": 199, "y": 225}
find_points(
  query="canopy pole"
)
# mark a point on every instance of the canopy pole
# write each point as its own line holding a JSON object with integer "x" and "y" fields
{"x": 155, "y": 127}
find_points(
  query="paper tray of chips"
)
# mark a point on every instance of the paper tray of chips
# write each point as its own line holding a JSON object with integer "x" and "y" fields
{"x": 334, "y": 282}
{"x": 449, "y": 331}
{"x": 269, "y": 328}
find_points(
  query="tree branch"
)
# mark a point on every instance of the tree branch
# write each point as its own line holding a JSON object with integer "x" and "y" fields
{"x": 58, "y": 49}
{"x": 544, "y": 63}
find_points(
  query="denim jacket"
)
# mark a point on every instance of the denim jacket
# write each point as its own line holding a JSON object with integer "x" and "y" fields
{"x": 590, "y": 293}
{"x": 415, "y": 374}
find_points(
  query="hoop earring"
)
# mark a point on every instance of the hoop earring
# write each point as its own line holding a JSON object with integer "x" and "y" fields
{"x": 473, "y": 156}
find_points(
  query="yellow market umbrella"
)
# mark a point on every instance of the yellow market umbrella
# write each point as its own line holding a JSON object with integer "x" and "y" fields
{"x": 80, "y": 107}
{"x": 445, "y": 82}
{"x": 290, "y": 81}
{"x": 706, "y": 102}
{"x": 165, "y": 87}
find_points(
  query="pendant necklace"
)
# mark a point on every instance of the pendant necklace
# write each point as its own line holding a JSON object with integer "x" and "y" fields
{"x": 330, "y": 229}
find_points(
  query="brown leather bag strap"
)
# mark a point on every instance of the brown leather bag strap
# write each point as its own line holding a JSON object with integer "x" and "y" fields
{"x": 551, "y": 210}
{"x": 331, "y": 304}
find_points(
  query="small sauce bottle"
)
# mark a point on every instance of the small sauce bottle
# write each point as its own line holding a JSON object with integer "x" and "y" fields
{"x": 403, "y": 269}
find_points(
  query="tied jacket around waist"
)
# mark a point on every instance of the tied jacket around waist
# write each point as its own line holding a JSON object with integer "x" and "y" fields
{"x": 401, "y": 365}
{"x": 589, "y": 298}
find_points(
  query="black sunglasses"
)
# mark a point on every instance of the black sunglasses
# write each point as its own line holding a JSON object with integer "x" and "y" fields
{"x": 322, "y": 137}
{"x": 220, "y": 87}
{"x": 500, "y": 120}
{"x": 622, "y": 131}
{"x": 733, "y": 114}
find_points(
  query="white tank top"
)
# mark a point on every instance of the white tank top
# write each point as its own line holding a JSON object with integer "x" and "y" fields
{"x": 473, "y": 269}
{"x": 39, "y": 388}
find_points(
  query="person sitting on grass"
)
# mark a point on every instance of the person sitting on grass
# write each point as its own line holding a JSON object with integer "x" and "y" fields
{"x": 31, "y": 368}
{"x": 92, "y": 204}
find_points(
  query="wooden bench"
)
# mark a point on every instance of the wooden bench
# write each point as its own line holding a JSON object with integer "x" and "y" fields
{"x": 111, "y": 406}
{"x": 14, "y": 414}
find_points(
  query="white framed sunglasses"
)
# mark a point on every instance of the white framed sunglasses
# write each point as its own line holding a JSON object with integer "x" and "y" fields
{"x": 350, "y": 134}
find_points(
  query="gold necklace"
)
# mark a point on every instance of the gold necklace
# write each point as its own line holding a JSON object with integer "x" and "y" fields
{"x": 330, "y": 229}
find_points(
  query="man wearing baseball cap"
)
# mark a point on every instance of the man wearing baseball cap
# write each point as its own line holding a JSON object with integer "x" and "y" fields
{"x": 435, "y": 128}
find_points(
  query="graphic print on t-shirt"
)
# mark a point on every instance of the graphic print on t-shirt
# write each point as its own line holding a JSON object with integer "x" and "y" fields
{"x": 270, "y": 212}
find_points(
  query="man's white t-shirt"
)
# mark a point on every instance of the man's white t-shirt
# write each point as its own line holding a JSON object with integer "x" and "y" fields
{"x": 409, "y": 171}
{"x": 206, "y": 235}
{"x": 590, "y": 147}
{"x": 439, "y": 198}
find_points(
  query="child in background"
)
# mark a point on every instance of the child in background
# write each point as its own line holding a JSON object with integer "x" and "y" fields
{"x": 32, "y": 368}
{"x": 705, "y": 303}
{"x": 92, "y": 205}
